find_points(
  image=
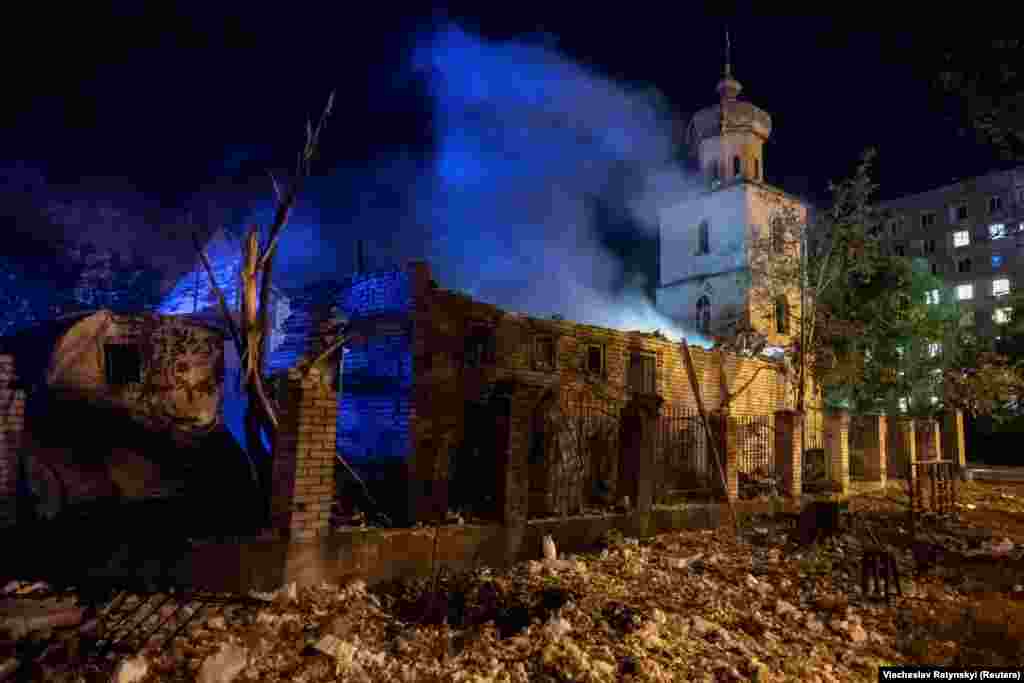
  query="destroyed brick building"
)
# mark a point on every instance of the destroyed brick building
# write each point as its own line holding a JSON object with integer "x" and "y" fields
{"x": 444, "y": 394}
{"x": 442, "y": 401}
{"x": 106, "y": 405}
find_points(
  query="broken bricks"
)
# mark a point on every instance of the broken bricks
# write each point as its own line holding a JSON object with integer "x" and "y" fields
{"x": 20, "y": 617}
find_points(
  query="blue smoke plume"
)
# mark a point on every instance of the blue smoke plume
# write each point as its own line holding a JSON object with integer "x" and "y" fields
{"x": 528, "y": 146}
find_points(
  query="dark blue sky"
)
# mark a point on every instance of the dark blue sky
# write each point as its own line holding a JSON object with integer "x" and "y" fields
{"x": 171, "y": 95}
{"x": 523, "y": 152}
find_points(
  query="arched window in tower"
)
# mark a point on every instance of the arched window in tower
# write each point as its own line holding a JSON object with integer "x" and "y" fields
{"x": 736, "y": 167}
{"x": 704, "y": 238}
{"x": 778, "y": 235}
{"x": 757, "y": 168}
{"x": 704, "y": 314}
{"x": 781, "y": 315}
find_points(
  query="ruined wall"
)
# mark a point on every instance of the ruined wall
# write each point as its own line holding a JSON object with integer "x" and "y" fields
{"x": 431, "y": 372}
{"x": 447, "y": 376}
{"x": 182, "y": 369}
{"x": 12, "y": 420}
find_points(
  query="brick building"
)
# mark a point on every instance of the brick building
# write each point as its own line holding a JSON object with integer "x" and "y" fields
{"x": 443, "y": 390}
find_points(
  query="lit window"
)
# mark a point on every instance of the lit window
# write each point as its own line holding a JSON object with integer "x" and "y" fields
{"x": 961, "y": 238}
{"x": 1001, "y": 316}
{"x": 934, "y": 349}
{"x": 899, "y": 352}
{"x": 903, "y": 405}
{"x": 964, "y": 292}
{"x": 997, "y": 260}
{"x": 997, "y": 231}
{"x": 931, "y": 296}
{"x": 927, "y": 219}
{"x": 995, "y": 204}
{"x": 1000, "y": 287}
{"x": 934, "y": 399}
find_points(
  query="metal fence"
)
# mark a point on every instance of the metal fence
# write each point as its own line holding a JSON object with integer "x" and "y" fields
{"x": 755, "y": 444}
{"x": 682, "y": 461}
{"x": 817, "y": 467}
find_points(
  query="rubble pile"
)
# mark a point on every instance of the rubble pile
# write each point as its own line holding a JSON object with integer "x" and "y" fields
{"x": 693, "y": 605}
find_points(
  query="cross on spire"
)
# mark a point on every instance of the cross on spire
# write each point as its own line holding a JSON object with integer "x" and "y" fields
{"x": 728, "y": 56}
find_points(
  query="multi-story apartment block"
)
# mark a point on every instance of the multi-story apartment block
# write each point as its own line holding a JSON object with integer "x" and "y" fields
{"x": 971, "y": 233}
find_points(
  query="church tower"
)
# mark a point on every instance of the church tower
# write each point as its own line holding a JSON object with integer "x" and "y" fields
{"x": 715, "y": 244}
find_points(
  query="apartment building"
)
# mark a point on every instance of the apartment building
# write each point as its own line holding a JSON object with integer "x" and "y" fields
{"x": 971, "y": 233}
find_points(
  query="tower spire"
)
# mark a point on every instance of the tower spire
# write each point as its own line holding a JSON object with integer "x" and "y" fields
{"x": 728, "y": 88}
{"x": 728, "y": 55}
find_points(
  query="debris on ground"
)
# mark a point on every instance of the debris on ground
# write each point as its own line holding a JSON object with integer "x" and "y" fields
{"x": 689, "y": 605}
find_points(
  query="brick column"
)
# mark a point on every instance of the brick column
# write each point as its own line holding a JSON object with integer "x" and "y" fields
{"x": 953, "y": 437}
{"x": 901, "y": 445}
{"x": 12, "y": 424}
{"x": 513, "y": 495}
{"x": 932, "y": 440}
{"x": 304, "y": 457}
{"x": 837, "y": 448}
{"x": 875, "y": 456}
{"x": 789, "y": 426}
{"x": 724, "y": 433}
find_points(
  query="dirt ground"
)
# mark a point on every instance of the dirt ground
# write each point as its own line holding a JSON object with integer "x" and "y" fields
{"x": 692, "y": 605}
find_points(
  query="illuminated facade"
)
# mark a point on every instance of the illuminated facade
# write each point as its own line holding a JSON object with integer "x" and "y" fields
{"x": 709, "y": 242}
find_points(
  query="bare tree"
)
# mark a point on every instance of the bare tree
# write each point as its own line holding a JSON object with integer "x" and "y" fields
{"x": 798, "y": 264}
{"x": 249, "y": 327}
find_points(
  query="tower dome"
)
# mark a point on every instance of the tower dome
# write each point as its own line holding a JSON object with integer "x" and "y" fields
{"x": 728, "y": 138}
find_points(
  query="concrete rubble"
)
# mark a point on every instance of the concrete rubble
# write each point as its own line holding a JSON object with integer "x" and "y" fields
{"x": 700, "y": 606}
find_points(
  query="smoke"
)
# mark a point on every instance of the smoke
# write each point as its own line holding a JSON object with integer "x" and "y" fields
{"x": 531, "y": 151}
{"x": 535, "y": 160}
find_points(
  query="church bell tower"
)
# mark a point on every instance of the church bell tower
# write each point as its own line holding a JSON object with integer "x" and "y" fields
{"x": 709, "y": 240}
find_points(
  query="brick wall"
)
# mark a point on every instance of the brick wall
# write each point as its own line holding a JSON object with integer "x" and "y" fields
{"x": 837, "y": 448}
{"x": 12, "y": 421}
{"x": 788, "y": 451}
{"x": 304, "y": 457}
{"x": 405, "y": 386}
{"x": 872, "y": 432}
{"x": 901, "y": 446}
{"x": 724, "y": 433}
{"x": 953, "y": 437}
{"x": 927, "y": 434}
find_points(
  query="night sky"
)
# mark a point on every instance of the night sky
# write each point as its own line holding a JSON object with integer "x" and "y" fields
{"x": 173, "y": 98}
